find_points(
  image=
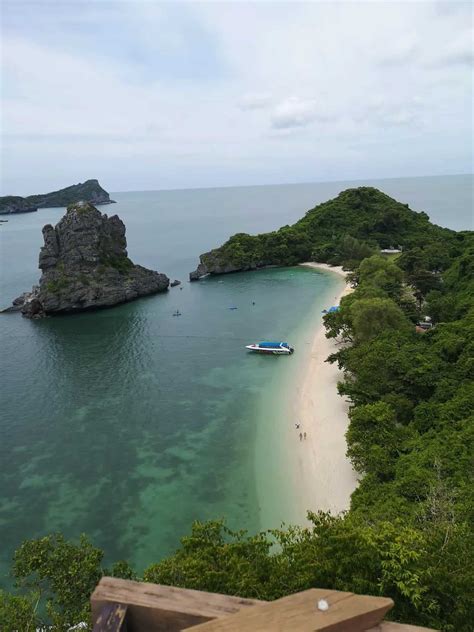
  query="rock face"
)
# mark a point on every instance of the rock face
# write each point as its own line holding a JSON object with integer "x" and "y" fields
{"x": 200, "y": 271}
{"x": 90, "y": 191}
{"x": 12, "y": 204}
{"x": 213, "y": 263}
{"x": 84, "y": 265}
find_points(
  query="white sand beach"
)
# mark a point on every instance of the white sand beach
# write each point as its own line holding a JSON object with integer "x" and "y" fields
{"x": 324, "y": 478}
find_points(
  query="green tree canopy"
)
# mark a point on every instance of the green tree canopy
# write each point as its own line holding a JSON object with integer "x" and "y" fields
{"x": 382, "y": 273}
{"x": 373, "y": 316}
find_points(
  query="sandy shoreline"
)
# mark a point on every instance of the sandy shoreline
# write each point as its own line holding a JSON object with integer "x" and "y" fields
{"x": 324, "y": 478}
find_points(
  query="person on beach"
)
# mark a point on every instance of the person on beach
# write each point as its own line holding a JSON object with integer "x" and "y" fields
{"x": 297, "y": 425}
{"x": 301, "y": 436}
{"x": 304, "y": 435}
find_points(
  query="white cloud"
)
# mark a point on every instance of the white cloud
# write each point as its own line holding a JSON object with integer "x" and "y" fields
{"x": 297, "y": 112}
{"x": 379, "y": 110}
{"x": 325, "y": 75}
{"x": 460, "y": 51}
{"x": 255, "y": 101}
{"x": 293, "y": 112}
{"x": 402, "y": 51}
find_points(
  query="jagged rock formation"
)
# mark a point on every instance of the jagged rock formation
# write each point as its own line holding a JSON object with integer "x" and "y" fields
{"x": 214, "y": 263}
{"x": 84, "y": 265}
{"x": 90, "y": 191}
{"x": 341, "y": 231}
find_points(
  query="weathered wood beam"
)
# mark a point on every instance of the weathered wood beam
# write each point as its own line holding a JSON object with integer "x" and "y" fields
{"x": 346, "y": 612}
{"x": 156, "y": 608}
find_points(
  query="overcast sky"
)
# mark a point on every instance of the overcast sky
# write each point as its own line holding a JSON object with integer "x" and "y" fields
{"x": 149, "y": 95}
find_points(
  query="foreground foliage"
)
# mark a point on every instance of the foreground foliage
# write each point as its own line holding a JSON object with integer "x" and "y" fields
{"x": 408, "y": 534}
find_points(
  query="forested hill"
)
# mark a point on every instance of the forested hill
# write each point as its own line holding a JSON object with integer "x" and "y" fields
{"x": 88, "y": 191}
{"x": 354, "y": 225}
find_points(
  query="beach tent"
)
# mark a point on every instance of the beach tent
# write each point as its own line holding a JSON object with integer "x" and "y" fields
{"x": 334, "y": 308}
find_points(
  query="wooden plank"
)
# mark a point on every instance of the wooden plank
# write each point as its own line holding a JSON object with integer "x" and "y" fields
{"x": 299, "y": 613}
{"x": 155, "y": 608}
{"x": 111, "y": 618}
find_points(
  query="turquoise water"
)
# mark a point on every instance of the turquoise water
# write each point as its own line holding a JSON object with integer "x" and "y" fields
{"x": 128, "y": 424}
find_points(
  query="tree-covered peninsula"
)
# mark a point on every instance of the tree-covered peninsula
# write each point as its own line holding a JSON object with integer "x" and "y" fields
{"x": 342, "y": 231}
{"x": 409, "y": 532}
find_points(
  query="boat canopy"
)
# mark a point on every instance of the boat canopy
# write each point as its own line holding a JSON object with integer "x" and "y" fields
{"x": 272, "y": 345}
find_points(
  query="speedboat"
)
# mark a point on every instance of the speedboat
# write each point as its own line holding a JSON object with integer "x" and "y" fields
{"x": 275, "y": 348}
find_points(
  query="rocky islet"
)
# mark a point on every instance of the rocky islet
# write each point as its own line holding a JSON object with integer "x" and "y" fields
{"x": 85, "y": 265}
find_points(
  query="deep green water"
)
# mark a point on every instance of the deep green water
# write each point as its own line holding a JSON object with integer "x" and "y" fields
{"x": 129, "y": 423}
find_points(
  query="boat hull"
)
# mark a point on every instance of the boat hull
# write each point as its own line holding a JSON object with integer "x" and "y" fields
{"x": 269, "y": 350}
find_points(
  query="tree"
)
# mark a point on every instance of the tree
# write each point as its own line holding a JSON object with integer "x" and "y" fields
{"x": 381, "y": 273}
{"x": 413, "y": 260}
{"x": 216, "y": 559}
{"x": 423, "y": 282}
{"x": 18, "y": 612}
{"x": 352, "y": 251}
{"x": 374, "y": 439}
{"x": 62, "y": 573}
{"x": 121, "y": 569}
{"x": 373, "y": 316}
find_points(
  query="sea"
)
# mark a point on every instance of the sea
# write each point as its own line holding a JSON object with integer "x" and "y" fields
{"x": 128, "y": 424}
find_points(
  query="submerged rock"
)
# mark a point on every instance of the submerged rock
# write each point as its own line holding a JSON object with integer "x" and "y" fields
{"x": 85, "y": 265}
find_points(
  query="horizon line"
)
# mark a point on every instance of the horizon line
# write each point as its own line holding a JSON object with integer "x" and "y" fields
{"x": 265, "y": 184}
{"x": 283, "y": 184}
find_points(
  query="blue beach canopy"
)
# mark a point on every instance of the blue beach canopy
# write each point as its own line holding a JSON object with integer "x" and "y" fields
{"x": 334, "y": 308}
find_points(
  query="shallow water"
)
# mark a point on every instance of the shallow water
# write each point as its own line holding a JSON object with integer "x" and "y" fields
{"x": 128, "y": 424}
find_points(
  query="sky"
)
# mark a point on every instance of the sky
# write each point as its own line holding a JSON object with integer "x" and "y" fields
{"x": 161, "y": 95}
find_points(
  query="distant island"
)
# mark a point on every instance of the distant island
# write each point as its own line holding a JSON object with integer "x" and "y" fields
{"x": 354, "y": 225}
{"x": 85, "y": 265}
{"x": 88, "y": 191}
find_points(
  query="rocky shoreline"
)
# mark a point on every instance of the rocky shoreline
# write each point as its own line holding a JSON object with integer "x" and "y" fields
{"x": 216, "y": 262}
{"x": 85, "y": 265}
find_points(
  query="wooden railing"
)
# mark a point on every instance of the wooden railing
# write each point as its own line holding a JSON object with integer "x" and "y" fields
{"x": 120, "y": 605}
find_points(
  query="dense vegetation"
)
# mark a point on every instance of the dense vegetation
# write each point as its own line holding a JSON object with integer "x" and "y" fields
{"x": 408, "y": 534}
{"x": 345, "y": 230}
